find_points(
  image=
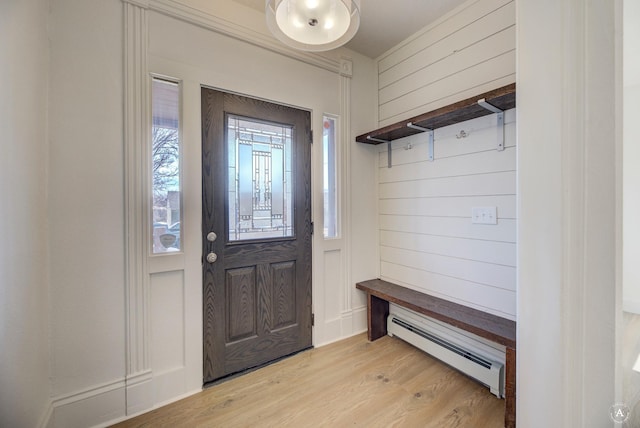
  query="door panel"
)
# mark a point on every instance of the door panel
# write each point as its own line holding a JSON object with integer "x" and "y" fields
{"x": 242, "y": 293}
{"x": 283, "y": 295}
{"x": 256, "y": 163}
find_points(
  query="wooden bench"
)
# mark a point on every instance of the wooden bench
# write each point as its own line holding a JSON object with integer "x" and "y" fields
{"x": 488, "y": 326}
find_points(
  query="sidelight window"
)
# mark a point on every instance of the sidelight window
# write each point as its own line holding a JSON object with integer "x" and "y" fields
{"x": 165, "y": 167}
{"x": 330, "y": 177}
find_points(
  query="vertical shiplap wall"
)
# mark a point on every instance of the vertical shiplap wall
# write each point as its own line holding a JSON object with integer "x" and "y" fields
{"x": 469, "y": 51}
{"x": 427, "y": 240}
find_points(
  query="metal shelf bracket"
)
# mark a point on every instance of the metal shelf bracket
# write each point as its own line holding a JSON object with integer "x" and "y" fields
{"x": 430, "y": 131}
{"x": 500, "y": 121}
{"x": 378, "y": 140}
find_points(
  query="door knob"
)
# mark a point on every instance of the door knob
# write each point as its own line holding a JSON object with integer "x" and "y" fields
{"x": 212, "y": 257}
{"x": 211, "y": 236}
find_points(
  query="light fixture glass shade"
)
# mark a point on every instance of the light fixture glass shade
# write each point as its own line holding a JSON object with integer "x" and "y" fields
{"x": 313, "y": 25}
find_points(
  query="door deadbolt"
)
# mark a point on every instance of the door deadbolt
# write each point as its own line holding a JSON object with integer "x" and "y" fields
{"x": 211, "y": 236}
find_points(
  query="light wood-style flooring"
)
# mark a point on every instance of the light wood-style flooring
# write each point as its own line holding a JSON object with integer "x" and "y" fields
{"x": 387, "y": 383}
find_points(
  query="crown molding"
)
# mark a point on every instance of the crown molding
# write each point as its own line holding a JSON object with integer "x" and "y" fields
{"x": 140, "y": 3}
{"x": 193, "y": 16}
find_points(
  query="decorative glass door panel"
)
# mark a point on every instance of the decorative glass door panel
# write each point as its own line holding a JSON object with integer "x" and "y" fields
{"x": 259, "y": 179}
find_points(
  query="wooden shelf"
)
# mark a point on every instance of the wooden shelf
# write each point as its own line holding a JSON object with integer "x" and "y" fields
{"x": 503, "y": 98}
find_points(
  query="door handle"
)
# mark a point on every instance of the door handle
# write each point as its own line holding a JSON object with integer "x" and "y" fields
{"x": 212, "y": 257}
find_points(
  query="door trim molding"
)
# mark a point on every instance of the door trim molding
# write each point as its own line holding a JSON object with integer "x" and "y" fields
{"x": 345, "y": 178}
{"x": 136, "y": 136}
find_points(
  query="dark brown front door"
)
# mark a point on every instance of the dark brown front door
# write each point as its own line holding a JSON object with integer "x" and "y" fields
{"x": 256, "y": 219}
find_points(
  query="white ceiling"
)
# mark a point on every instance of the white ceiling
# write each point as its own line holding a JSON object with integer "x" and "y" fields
{"x": 385, "y": 23}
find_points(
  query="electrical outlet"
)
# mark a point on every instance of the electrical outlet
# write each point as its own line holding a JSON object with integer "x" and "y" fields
{"x": 484, "y": 215}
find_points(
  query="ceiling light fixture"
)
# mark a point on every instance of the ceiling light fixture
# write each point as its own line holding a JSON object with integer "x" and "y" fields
{"x": 313, "y": 25}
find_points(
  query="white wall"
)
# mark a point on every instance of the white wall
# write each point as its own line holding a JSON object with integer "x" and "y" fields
{"x": 24, "y": 290}
{"x": 363, "y": 175}
{"x": 86, "y": 211}
{"x": 631, "y": 210}
{"x": 89, "y": 380}
{"x": 567, "y": 219}
{"x": 630, "y": 378}
{"x": 197, "y": 56}
{"x": 566, "y": 199}
{"x": 631, "y": 136}
{"x": 565, "y": 343}
{"x": 427, "y": 240}
{"x": 466, "y": 52}
{"x": 176, "y": 50}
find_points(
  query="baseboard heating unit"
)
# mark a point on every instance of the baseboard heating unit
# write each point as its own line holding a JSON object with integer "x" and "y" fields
{"x": 470, "y": 362}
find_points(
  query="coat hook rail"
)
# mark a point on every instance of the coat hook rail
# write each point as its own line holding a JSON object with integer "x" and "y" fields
{"x": 378, "y": 140}
{"x": 462, "y": 134}
{"x": 500, "y": 120}
{"x": 430, "y": 131}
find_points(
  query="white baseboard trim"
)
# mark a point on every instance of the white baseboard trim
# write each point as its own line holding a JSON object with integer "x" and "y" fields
{"x": 162, "y": 404}
{"x": 115, "y": 401}
{"x": 178, "y": 398}
{"x": 94, "y": 406}
{"x": 139, "y": 392}
{"x": 94, "y": 391}
{"x": 166, "y": 383}
{"x": 350, "y": 323}
{"x": 60, "y": 403}
{"x": 338, "y": 339}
